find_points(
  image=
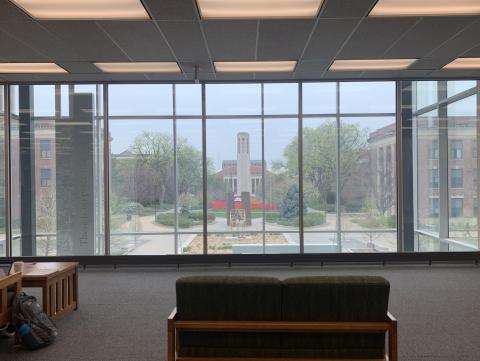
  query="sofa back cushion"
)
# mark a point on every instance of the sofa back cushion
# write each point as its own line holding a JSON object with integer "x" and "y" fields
{"x": 335, "y": 299}
{"x": 229, "y": 298}
{"x": 340, "y": 298}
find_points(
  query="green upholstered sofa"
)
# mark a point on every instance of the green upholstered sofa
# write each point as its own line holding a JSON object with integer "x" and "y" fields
{"x": 9, "y": 287}
{"x": 263, "y": 318}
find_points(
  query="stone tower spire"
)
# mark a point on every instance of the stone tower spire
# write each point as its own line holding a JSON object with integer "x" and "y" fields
{"x": 243, "y": 163}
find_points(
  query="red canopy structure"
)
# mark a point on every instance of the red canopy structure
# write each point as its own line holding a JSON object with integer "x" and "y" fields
{"x": 222, "y": 204}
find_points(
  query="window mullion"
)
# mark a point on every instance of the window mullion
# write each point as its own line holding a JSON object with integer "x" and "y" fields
{"x": 338, "y": 173}
{"x": 443, "y": 165}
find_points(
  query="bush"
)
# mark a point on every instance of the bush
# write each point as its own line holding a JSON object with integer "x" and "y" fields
{"x": 133, "y": 208}
{"x": 313, "y": 219}
{"x": 198, "y": 216}
{"x": 194, "y": 218}
{"x": 167, "y": 219}
{"x": 309, "y": 220}
{"x": 289, "y": 208}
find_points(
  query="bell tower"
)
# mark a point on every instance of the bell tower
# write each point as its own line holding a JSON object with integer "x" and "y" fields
{"x": 243, "y": 163}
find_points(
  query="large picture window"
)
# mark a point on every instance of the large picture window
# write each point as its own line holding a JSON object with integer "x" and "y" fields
{"x": 445, "y": 115}
{"x": 56, "y": 150}
{"x": 238, "y": 168}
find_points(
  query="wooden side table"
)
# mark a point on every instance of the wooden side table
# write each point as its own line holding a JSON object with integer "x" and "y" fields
{"x": 59, "y": 283}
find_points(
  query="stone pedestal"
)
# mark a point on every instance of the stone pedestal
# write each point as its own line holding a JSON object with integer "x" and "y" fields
{"x": 247, "y": 206}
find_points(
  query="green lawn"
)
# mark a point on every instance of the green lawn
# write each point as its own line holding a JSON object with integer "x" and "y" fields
{"x": 222, "y": 213}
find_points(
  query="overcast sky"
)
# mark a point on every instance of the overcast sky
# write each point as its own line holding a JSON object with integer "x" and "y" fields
{"x": 227, "y": 100}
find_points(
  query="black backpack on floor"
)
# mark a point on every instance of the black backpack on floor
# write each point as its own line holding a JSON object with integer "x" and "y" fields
{"x": 42, "y": 331}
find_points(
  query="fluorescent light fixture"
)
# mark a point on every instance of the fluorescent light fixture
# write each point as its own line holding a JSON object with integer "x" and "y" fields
{"x": 139, "y": 67}
{"x": 371, "y": 64}
{"x": 464, "y": 63}
{"x": 258, "y": 9}
{"x": 425, "y": 7}
{"x": 30, "y": 68}
{"x": 83, "y": 9}
{"x": 255, "y": 66}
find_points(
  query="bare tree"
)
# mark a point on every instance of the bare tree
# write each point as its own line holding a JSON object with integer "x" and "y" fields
{"x": 47, "y": 221}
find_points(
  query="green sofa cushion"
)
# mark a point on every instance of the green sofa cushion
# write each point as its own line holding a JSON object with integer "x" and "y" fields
{"x": 228, "y": 298}
{"x": 336, "y": 299}
{"x": 341, "y": 298}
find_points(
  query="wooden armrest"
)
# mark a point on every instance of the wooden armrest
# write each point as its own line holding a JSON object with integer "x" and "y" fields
{"x": 11, "y": 280}
{"x": 283, "y": 326}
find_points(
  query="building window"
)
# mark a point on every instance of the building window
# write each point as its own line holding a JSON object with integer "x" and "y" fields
{"x": 45, "y": 177}
{"x": 45, "y": 148}
{"x": 434, "y": 178}
{"x": 434, "y": 150}
{"x": 474, "y": 150}
{"x": 434, "y": 207}
{"x": 456, "y": 207}
{"x": 456, "y": 149}
{"x": 457, "y": 178}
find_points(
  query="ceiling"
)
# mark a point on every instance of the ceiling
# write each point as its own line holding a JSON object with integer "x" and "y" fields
{"x": 176, "y": 33}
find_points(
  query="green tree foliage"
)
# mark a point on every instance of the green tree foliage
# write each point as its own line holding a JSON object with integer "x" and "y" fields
{"x": 319, "y": 161}
{"x": 289, "y": 209}
{"x": 144, "y": 173}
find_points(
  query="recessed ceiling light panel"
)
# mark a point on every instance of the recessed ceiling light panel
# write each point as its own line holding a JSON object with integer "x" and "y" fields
{"x": 139, "y": 67}
{"x": 425, "y": 7}
{"x": 464, "y": 63}
{"x": 83, "y": 9}
{"x": 254, "y": 66}
{"x": 371, "y": 64}
{"x": 258, "y": 9}
{"x": 30, "y": 68}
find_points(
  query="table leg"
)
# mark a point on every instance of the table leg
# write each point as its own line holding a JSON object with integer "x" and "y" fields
{"x": 46, "y": 298}
{"x": 75, "y": 288}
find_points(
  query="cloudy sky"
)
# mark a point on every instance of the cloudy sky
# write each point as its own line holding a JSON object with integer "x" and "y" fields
{"x": 150, "y": 100}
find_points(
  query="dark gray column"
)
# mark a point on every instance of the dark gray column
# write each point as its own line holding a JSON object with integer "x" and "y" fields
{"x": 405, "y": 166}
{"x": 478, "y": 162}
{"x": 74, "y": 179}
{"x": 204, "y": 170}
{"x": 443, "y": 171}
{"x": 27, "y": 170}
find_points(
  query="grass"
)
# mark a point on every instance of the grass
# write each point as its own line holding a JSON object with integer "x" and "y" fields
{"x": 309, "y": 219}
{"x": 222, "y": 213}
{"x": 373, "y": 222}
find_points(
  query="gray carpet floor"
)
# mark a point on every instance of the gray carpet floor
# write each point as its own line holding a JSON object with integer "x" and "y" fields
{"x": 123, "y": 312}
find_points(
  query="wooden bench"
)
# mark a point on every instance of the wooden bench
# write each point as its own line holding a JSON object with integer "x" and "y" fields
{"x": 7, "y": 285}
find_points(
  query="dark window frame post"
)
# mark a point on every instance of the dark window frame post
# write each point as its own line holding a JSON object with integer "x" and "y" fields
{"x": 27, "y": 170}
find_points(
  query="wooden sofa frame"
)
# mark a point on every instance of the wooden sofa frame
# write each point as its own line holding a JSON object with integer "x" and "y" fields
{"x": 175, "y": 325}
{"x": 5, "y": 310}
